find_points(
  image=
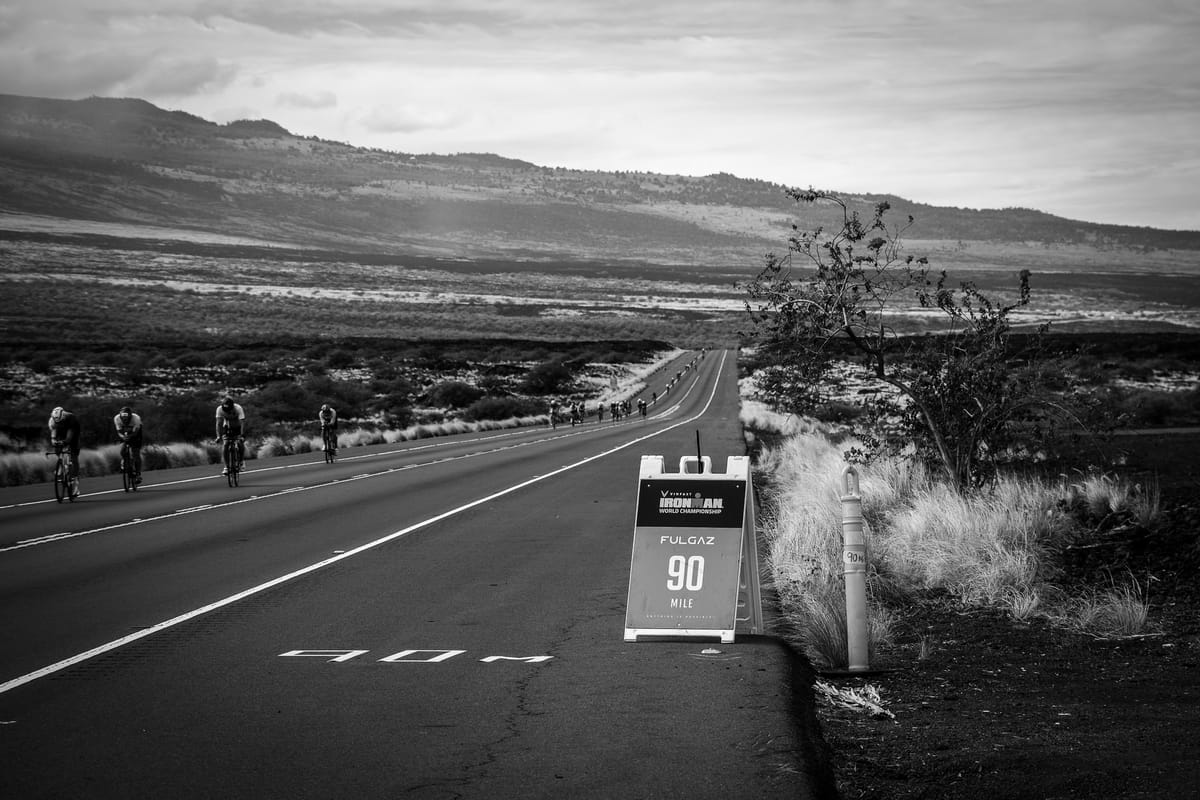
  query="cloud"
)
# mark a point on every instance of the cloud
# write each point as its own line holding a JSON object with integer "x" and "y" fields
{"x": 312, "y": 100}
{"x": 170, "y": 77}
{"x": 47, "y": 72}
{"x": 407, "y": 119}
{"x": 360, "y": 18}
{"x": 979, "y": 104}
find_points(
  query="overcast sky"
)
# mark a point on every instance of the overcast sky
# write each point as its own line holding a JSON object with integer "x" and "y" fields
{"x": 1089, "y": 109}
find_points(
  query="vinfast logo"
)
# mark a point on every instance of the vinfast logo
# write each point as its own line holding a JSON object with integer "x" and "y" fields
{"x": 691, "y": 503}
{"x": 687, "y": 502}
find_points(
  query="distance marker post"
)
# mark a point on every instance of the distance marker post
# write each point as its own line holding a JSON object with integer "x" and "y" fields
{"x": 689, "y": 545}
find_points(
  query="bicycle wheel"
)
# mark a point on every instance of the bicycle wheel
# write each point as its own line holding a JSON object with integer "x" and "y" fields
{"x": 72, "y": 483}
{"x": 126, "y": 470}
{"x": 61, "y": 490}
{"x": 230, "y": 462}
{"x": 329, "y": 452}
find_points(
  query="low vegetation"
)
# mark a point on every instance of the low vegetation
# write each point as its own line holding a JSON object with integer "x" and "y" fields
{"x": 979, "y": 447}
{"x": 959, "y": 397}
{"x": 435, "y": 389}
{"x": 1002, "y": 546}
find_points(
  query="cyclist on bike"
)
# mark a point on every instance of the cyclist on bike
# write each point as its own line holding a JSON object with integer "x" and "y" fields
{"x": 64, "y": 433}
{"x": 328, "y": 418}
{"x": 129, "y": 431}
{"x": 230, "y": 423}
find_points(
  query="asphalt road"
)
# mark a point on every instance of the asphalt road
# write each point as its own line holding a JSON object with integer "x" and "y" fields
{"x": 433, "y": 619}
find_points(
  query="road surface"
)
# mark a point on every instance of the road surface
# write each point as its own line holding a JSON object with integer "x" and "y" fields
{"x": 440, "y": 618}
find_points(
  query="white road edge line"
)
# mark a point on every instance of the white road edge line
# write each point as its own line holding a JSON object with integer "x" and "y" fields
{"x": 8, "y": 686}
{"x": 489, "y": 436}
{"x": 58, "y": 537}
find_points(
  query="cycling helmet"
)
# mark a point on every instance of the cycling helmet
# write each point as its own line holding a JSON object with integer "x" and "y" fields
{"x": 126, "y": 410}
{"x": 227, "y": 402}
{"x": 325, "y": 407}
{"x": 57, "y": 414}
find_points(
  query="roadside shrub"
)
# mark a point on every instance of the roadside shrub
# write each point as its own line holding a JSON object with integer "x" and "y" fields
{"x": 498, "y": 408}
{"x": 1088, "y": 369}
{"x": 308, "y": 444}
{"x": 758, "y": 417}
{"x": 1114, "y": 612}
{"x": 350, "y": 398}
{"x": 181, "y": 418}
{"x": 998, "y": 546}
{"x": 361, "y": 437}
{"x": 178, "y": 454}
{"x": 43, "y": 365}
{"x": 453, "y": 394}
{"x": 282, "y": 401}
{"x": 19, "y": 468}
{"x": 272, "y": 446}
{"x": 549, "y": 377}
{"x": 838, "y": 412}
{"x": 339, "y": 359}
{"x": 1102, "y": 501}
{"x": 495, "y": 385}
{"x": 232, "y": 358}
{"x": 190, "y": 359}
{"x": 1159, "y": 408}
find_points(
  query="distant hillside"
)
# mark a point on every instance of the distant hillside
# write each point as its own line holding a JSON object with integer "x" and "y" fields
{"x": 128, "y": 161}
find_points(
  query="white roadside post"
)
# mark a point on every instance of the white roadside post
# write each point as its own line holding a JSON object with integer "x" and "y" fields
{"x": 854, "y": 564}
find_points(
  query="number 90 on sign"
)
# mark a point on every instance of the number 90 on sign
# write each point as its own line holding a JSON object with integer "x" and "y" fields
{"x": 685, "y": 572}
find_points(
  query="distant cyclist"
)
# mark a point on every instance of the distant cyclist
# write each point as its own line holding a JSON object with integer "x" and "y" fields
{"x": 328, "y": 418}
{"x": 64, "y": 433}
{"x": 129, "y": 431}
{"x": 231, "y": 419}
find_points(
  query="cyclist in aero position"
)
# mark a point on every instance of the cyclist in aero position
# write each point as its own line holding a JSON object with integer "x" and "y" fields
{"x": 230, "y": 420}
{"x": 129, "y": 431}
{"x": 64, "y": 433}
{"x": 328, "y": 418}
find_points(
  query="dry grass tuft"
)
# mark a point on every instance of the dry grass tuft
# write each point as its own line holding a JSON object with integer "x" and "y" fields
{"x": 988, "y": 548}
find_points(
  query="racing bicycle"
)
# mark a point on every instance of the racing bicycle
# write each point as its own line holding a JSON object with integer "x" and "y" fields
{"x": 329, "y": 438}
{"x": 64, "y": 486}
{"x": 129, "y": 478}
{"x": 231, "y": 454}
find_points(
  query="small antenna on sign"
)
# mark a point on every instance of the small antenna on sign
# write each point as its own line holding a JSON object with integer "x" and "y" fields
{"x": 699, "y": 458}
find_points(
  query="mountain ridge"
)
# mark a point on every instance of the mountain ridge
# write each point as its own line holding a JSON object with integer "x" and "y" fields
{"x": 125, "y": 160}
